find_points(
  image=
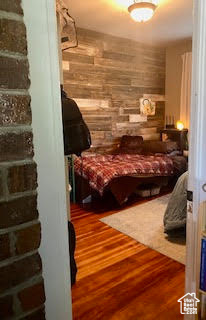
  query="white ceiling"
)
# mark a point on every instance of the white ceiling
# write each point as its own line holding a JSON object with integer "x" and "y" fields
{"x": 171, "y": 22}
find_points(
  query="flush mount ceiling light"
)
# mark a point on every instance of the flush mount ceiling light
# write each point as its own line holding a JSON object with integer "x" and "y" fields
{"x": 142, "y": 11}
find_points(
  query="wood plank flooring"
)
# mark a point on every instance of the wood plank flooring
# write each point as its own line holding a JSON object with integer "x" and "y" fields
{"x": 119, "y": 278}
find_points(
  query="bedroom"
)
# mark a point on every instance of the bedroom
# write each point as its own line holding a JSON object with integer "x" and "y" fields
{"x": 109, "y": 77}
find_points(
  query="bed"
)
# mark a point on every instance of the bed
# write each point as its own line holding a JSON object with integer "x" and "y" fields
{"x": 101, "y": 170}
{"x": 134, "y": 163}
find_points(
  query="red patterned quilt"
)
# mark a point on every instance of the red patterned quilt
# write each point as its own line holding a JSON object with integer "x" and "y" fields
{"x": 100, "y": 170}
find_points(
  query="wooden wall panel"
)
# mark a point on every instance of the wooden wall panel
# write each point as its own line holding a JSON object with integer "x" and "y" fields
{"x": 107, "y": 76}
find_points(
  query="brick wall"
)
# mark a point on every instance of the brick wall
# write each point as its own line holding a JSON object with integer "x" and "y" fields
{"x": 107, "y": 76}
{"x": 21, "y": 284}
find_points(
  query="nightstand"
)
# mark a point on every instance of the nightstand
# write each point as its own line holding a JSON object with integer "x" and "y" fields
{"x": 180, "y": 136}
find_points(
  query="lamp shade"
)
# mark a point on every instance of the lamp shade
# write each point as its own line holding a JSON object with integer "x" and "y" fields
{"x": 180, "y": 125}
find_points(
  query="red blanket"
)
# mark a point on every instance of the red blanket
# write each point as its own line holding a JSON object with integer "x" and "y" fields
{"x": 100, "y": 170}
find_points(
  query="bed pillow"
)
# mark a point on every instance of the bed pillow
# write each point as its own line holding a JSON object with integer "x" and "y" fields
{"x": 131, "y": 144}
{"x": 172, "y": 146}
{"x": 166, "y": 147}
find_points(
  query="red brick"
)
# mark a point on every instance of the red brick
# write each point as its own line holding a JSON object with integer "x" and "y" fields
{"x": 18, "y": 211}
{"x": 26, "y": 269}
{"x": 28, "y": 239}
{"x": 11, "y": 6}
{"x": 14, "y": 110}
{"x": 33, "y": 297}
{"x": 6, "y": 307}
{"x": 9, "y": 41}
{"x": 4, "y": 247}
{"x": 22, "y": 178}
{"x": 5, "y": 278}
{"x": 38, "y": 315}
{"x": 10, "y": 67}
{"x": 19, "y": 272}
{"x": 14, "y": 146}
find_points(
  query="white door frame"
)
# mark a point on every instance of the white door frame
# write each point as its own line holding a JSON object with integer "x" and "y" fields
{"x": 197, "y": 161}
{"x": 40, "y": 19}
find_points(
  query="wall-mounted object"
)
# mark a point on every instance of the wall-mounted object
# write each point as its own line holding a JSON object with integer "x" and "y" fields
{"x": 154, "y": 97}
{"x": 67, "y": 25}
{"x": 137, "y": 118}
{"x": 142, "y": 10}
{"x": 147, "y": 107}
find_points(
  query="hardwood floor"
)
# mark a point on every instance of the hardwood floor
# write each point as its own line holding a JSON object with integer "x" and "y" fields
{"x": 118, "y": 278}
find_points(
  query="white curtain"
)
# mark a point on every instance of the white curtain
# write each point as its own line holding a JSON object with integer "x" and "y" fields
{"x": 185, "y": 101}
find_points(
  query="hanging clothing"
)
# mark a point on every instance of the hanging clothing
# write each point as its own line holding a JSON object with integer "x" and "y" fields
{"x": 77, "y": 136}
{"x": 67, "y": 26}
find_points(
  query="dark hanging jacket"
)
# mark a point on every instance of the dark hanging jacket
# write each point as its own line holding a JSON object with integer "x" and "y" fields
{"x": 76, "y": 133}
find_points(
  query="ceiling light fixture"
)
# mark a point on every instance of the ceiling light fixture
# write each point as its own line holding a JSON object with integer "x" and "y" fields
{"x": 142, "y": 11}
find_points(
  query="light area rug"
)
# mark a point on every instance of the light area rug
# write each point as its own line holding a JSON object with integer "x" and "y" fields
{"x": 144, "y": 223}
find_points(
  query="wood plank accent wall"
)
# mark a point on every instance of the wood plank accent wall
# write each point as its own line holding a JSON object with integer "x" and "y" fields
{"x": 107, "y": 75}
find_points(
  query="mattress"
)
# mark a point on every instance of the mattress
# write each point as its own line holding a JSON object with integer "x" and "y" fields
{"x": 100, "y": 170}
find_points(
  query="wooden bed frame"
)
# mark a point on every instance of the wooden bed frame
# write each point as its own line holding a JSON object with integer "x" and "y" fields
{"x": 120, "y": 187}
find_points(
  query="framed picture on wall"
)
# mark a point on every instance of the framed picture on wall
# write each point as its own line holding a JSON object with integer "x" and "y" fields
{"x": 147, "y": 107}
